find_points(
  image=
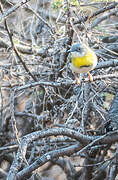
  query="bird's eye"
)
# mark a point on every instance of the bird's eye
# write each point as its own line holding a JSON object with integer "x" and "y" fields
{"x": 79, "y": 49}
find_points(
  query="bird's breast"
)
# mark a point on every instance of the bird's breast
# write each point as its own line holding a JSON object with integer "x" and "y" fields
{"x": 83, "y": 64}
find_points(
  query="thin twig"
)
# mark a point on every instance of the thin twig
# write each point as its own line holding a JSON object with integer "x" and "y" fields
{"x": 14, "y": 48}
{"x": 12, "y": 9}
{"x": 102, "y": 10}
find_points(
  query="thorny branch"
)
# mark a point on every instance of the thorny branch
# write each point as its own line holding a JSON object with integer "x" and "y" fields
{"x": 66, "y": 151}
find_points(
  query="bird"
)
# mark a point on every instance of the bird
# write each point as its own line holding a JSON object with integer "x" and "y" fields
{"x": 83, "y": 60}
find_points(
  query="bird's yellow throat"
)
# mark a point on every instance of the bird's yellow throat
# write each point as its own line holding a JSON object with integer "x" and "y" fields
{"x": 87, "y": 60}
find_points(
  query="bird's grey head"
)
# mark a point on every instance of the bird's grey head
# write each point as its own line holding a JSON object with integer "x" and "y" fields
{"x": 78, "y": 49}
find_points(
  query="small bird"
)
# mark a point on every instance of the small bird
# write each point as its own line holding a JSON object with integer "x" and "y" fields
{"x": 83, "y": 60}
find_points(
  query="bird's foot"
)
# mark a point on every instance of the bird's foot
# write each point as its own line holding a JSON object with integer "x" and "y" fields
{"x": 77, "y": 79}
{"x": 90, "y": 77}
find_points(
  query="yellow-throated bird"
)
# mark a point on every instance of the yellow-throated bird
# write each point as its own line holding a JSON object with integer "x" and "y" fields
{"x": 83, "y": 60}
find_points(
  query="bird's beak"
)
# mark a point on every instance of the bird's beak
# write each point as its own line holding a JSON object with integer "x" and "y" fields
{"x": 69, "y": 50}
